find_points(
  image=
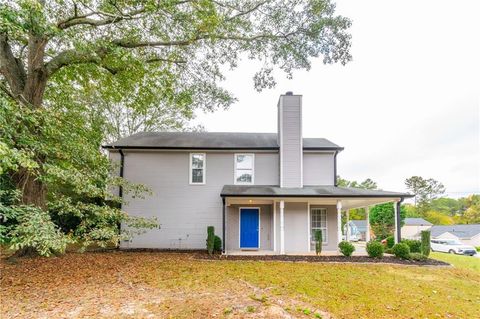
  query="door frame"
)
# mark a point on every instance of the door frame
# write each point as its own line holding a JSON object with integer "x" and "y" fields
{"x": 240, "y": 227}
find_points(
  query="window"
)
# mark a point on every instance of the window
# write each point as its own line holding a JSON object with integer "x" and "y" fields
{"x": 197, "y": 168}
{"x": 244, "y": 164}
{"x": 318, "y": 221}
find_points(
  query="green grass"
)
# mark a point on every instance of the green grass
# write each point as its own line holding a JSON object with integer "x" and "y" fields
{"x": 459, "y": 261}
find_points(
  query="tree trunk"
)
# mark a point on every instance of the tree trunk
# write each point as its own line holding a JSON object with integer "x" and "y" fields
{"x": 34, "y": 191}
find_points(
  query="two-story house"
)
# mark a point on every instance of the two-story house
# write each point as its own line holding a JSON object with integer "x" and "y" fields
{"x": 267, "y": 192}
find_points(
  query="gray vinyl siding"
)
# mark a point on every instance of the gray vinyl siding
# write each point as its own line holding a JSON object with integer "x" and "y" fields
{"x": 233, "y": 227}
{"x": 184, "y": 211}
{"x": 290, "y": 133}
{"x": 332, "y": 238}
{"x": 318, "y": 169}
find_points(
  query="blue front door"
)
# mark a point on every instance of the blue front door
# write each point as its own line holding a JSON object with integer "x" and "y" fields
{"x": 249, "y": 220}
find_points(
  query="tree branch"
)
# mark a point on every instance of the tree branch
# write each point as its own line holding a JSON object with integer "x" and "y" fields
{"x": 11, "y": 67}
{"x": 110, "y": 19}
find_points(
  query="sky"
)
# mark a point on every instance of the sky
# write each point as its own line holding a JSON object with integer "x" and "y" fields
{"x": 408, "y": 104}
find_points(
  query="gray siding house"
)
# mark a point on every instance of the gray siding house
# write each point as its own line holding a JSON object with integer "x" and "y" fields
{"x": 263, "y": 192}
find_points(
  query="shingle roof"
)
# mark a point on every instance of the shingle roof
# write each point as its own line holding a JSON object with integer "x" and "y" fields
{"x": 461, "y": 231}
{"x": 212, "y": 140}
{"x": 306, "y": 191}
{"x": 361, "y": 224}
{"x": 417, "y": 222}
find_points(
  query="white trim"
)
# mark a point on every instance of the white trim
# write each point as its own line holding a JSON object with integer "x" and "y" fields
{"x": 280, "y": 137}
{"x": 239, "y": 227}
{"x": 309, "y": 228}
{"x": 339, "y": 221}
{"x": 326, "y": 222}
{"x": 367, "y": 234}
{"x": 204, "y": 168}
{"x": 282, "y": 227}
{"x": 301, "y": 142}
{"x": 235, "y": 169}
{"x": 274, "y": 226}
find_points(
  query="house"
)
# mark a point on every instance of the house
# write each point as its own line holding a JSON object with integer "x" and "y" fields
{"x": 467, "y": 234}
{"x": 266, "y": 192}
{"x": 412, "y": 227}
{"x": 358, "y": 229}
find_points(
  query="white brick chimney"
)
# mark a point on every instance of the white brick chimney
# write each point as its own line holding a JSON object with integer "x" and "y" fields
{"x": 290, "y": 140}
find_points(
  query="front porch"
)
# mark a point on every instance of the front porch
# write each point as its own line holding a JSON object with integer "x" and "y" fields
{"x": 257, "y": 222}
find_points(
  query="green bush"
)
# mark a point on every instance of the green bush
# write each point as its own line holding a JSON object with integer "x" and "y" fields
{"x": 418, "y": 257}
{"x": 375, "y": 249}
{"x": 210, "y": 239}
{"x": 217, "y": 244}
{"x": 388, "y": 251}
{"x": 390, "y": 241}
{"x": 425, "y": 246}
{"x": 346, "y": 248}
{"x": 318, "y": 242}
{"x": 414, "y": 245}
{"x": 477, "y": 248}
{"x": 401, "y": 250}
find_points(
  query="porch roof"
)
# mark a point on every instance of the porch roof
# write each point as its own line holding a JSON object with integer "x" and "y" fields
{"x": 325, "y": 191}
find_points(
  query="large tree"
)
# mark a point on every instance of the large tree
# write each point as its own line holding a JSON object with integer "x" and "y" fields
{"x": 425, "y": 190}
{"x": 175, "y": 49}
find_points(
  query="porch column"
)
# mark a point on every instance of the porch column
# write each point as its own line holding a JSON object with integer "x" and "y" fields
{"x": 367, "y": 215}
{"x": 339, "y": 221}
{"x": 275, "y": 226}
{"x": 282, "y": 227}
{"x": 223, "y": 225}
{"x": 398, "y": 225}
{"x": 395, "y": 213}
{"x": 347, "y": 231}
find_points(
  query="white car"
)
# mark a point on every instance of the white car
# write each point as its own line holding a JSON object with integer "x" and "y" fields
{"x": 452, "y": 246}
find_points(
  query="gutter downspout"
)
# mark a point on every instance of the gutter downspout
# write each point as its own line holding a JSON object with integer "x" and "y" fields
{"x": 399, "y": 226}
{"x": 335, "y": 169}
{"x": 223, "y": 225}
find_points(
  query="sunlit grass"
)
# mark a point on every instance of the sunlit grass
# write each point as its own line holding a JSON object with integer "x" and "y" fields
{"x": 459, "y": 261}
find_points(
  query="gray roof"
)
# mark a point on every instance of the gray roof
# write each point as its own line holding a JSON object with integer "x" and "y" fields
{"x": 215, "y": 140}
{"x": 306, "y": 191}
{"x": 461, "y": 231}
{"x": 417, "y": 222}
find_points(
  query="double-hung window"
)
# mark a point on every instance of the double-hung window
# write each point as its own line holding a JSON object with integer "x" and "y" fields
{"x": 244, "y": 168}
{"x": 197, "y": 168}
{"x": 318, "y": 221}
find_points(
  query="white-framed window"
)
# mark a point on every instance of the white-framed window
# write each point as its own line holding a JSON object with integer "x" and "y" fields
{"x": 198, "y": 164}
{"x": 244, "y": 168}
{"x": 318, "y": 221}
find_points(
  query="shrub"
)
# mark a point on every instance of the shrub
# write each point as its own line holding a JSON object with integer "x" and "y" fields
{"x": 375, "y": 249}
{"x": 318, "y": 242}
{"x": 210, "y": 239}
{"x": 346, "y": 248}
{"x": 401, "y": 250}
{"x": 414, "y": 245}
{"x": 425, "y": 244}
{"x": 388, "y": 251}
{"x": 217, "y": 244}
{"x": 418, "y": 257}
{"x": 390, "y": 241}
{"x": 477, "y": 248}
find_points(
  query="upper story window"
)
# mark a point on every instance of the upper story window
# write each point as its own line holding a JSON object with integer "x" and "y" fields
{"x": 197, "y": 168}
{"x": 244, "y": 168}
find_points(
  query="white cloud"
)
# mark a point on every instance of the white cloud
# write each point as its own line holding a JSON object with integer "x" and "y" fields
{"x": 407, "y": 105}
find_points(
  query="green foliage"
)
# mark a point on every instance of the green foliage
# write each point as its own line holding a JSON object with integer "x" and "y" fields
{"x": 401, "y": 250}
{"x": 375, "y": 249}
{"x": 388, "y": 251}
{"x": 425, "y": 190}
{"x": 418, "y": 257}
{"x": 366, "y": 184}
{"x": 477, "y": 248}
{"x": 382, "y": 219}
{"x": 390, "y": 241}
{"x": 425, "y": 242}
{"x": 346, "y": 248}
{"x": 318, "y": 241}
{"x": 217, "y": 244}
{"x": 414, "y": 245}
{"x": 210, "y": 239}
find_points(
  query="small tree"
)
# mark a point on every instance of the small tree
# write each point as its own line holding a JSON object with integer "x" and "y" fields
{"x": 210, "y": 239}
{"x": 425, "y": 247}
{"x": 318, "y": 242}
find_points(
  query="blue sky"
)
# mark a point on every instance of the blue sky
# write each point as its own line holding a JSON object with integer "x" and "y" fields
{"x": 408, "y": 104}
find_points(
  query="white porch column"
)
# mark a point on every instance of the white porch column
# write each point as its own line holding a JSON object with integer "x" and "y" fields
{"x": 395, "y": 218}
{"x": 339, "y": 220}
{"x": 367, "y": 215}
{"x": 282, "y": 227}
{"x": 347, "y": 231}
{"x": 275, "y": 226}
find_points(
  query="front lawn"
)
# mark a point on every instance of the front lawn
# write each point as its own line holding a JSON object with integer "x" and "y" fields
{"x": 142, "y": 285}
{"x": 459, "y": 261}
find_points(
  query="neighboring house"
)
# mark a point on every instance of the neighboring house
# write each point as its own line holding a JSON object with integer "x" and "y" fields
{"x": 358, "y": 228}
{"x": 412, "y": 227}
{"x": 467, "y": 234}
{"x": 267, "y": 192}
